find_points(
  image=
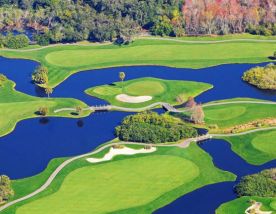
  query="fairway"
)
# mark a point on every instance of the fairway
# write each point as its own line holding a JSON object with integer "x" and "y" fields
{"x": 266, "y": 143}
{"x": 115, "y": 186}
{"x": 229, "y": 115}
{"x": 136, "y": 184}
{"x": 256, "y": 148}
{"x": 62, "y": 61}
{"x": 160, "y": 90}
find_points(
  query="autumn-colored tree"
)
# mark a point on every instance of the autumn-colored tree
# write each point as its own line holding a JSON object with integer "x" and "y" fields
{"x": 43, "y": 111}
{"x": 191, "y": 103}
{"x": 5, "y": 188}
{"x": 197, "y": 115}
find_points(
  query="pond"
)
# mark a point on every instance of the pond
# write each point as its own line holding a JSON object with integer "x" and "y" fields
{"x": 33, "y": 143}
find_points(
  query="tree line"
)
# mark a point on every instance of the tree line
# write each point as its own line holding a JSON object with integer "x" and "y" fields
{"x": 54, "y": 21}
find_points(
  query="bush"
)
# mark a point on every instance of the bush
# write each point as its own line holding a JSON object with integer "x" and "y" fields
{"x": 15, "y": 42}
{"x": 262, "y": 184}
{"x": 40, "y": 75}
{"x": 262, "y": 77}
{"x": 149, "y": 127}
{"x": 5, "y": 188}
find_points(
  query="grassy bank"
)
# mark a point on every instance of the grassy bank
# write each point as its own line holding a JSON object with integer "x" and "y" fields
{"x": 107, "y": 187}
{"x": 160, "y": 90}
{"x": 241, "y": 204}
{"x": 256, "y": 148}
{"x": 16, "y": 106}
{"x": 62, "y": 61}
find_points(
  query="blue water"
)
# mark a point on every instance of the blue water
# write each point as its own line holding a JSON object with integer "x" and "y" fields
{"x": 33, "y": 143}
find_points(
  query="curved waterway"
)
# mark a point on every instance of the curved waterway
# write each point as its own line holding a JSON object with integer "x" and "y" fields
{"x": 34, "y": 142}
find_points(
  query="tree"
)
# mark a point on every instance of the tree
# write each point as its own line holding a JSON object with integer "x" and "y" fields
{"x": 78, "y": 109}
{"x": 122, "y": 76}
{"x": 190, "y": 103}
{"x": 197, "y": 115}
{"x": 40, "y": 75}
{"x": 43, "y": 111}
{"x": 5, "y": 188}
{"x": 48, "y": 91}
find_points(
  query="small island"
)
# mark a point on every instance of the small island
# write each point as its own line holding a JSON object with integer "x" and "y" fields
{"x": 262, "y": 77}
{"x": 142, "y": 92}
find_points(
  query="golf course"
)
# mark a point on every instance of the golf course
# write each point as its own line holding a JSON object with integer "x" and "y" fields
{"x": 90, "y": 112}
{"x": 192, "y": 168}
{"x": 157, "y": 90}
{"x": 65, "y": 60}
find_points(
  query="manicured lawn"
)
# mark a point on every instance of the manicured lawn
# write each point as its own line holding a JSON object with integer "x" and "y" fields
{"x": 256, "y": 148}
{"x": 16, "y": 106}
{"x": 131, "y": 184}
{"x": 241, "y": 204}
{"x": 62, "y": 61}
{"x": 160, "y": 90}
{"x": 229, "y": 115}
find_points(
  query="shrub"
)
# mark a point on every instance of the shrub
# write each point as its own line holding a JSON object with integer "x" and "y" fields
{"x": 262, "y": 184}
{"x": 43, "y": 111}
{"x": 40, "y": 75}
{"x": 18, "y": 41}
{"x": 262, "y": 77}
{"x": 5, "y": 188}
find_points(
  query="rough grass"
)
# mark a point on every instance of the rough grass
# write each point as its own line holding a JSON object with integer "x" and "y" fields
{"x": 191, "y": 168}
{"x": 16, "y": 106}
{"x": 256, "y": 148}
{"x": 160, "y": 90}
{"x": 62, "y": 61}
{"x": 241, "y": 204}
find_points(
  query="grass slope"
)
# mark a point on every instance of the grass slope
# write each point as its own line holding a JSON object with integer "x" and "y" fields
{"x": 16, "y": 106}
{"x": 256, "y": 148}
{"x": 106, "y": 187}
{"x": 229, "y": 115}
{"x": 62, "y": 61}
{"x": 160, "y": 90}
{"x": 241, "y": 204}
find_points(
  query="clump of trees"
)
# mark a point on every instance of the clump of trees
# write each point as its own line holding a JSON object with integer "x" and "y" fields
{"x": 262, "y": 77}
{"x": 14, "y": 41}
{"x": 6, "y": 190}
{"x": 40, "y": 75}
{"x": 262, "y": 184}
{"x": 149, "y": 127}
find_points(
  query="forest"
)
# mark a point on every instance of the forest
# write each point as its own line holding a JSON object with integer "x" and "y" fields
{"x": 52, "y": 21}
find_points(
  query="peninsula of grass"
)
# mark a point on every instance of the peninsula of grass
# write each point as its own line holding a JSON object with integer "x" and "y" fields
{"x": 115, "y": 186}
{"x": 241, "y": 204}
{"x": 160, "y": 90}
{"x": 229, "y": 114}
{"x": 64, "y": 60}
{"x": 16, "y": 106}
{"x": 256, "y": 148}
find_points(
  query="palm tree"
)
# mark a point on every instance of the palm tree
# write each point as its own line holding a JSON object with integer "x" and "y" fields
{"x": 48, "y": 91}
{"x": 122, "y": 76}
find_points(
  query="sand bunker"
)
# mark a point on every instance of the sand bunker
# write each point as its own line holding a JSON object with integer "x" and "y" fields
{"x": 122, "y": 151}
{"x": 255, "y": 208}
{"x": 132, "y": 99}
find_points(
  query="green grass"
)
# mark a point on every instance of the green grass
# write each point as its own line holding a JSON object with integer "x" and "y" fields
{"x": 16, "y": 106}
{"x": 238, "y": 206}
{"x": 160, "y": 90}
{"x": 228, "y": 115}
{"x": 116, "y": 185}
{"x": 256, "y": 148}
{"x": 62, "y": 61}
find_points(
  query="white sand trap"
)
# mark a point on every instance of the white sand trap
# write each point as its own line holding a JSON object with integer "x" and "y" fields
{"x": 133, "y": 99}
{"x": 123, "y": 151}
{"x": 256, "y": 209}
